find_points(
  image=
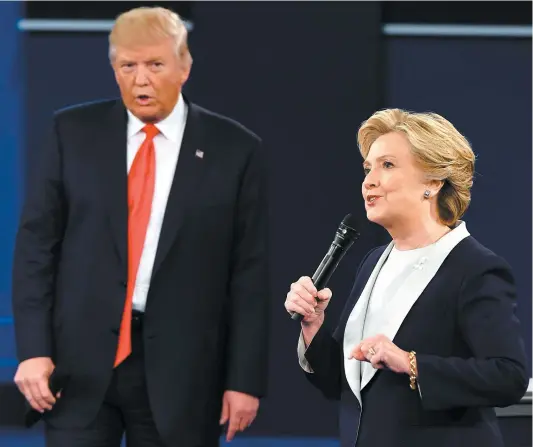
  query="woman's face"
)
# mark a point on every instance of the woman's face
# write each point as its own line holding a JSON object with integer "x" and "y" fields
{"x": 394, "y": 185}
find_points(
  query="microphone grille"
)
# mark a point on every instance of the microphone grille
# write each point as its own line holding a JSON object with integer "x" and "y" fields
{"x": 350, "y": 221}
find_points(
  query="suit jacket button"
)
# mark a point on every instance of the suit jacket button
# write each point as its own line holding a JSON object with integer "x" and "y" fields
{"x": 123, "y": 283}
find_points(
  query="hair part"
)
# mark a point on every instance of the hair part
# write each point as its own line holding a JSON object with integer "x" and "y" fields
{"x": 441, "y": 151}
{"x": 149, "y": 25}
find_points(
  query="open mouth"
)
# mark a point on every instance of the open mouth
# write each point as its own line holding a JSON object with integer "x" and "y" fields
{"x": 143, "y": 99}
{"x": 372, "y": 199}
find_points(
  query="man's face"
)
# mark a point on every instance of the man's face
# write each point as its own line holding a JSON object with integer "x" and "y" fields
{"x": 150, "y": 78}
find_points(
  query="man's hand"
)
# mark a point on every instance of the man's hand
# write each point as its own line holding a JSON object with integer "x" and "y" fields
{"x": 32, "y": 380}
{"x": 240, "y": 409}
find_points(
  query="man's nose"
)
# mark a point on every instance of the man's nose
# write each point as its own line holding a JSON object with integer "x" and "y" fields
{"x": 141, "y": 76}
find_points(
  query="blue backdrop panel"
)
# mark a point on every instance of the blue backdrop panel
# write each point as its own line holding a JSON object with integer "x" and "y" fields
{"x": 309, "y": 119}
{"x": 483, "y": 86}
{"x": 11, "y": 143}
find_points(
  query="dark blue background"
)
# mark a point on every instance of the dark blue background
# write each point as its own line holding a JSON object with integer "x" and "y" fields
{"x": 483, "y": 86}
{"x": 12, "y": 131}
{"x": 306, "y": 95}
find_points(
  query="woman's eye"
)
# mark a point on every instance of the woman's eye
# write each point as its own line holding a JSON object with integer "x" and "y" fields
{"x": 366, "y": 170}
{"x": 387, "y": 164}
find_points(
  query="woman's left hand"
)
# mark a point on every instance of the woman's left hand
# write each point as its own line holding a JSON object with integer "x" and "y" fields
{"x": 382, "y": 353}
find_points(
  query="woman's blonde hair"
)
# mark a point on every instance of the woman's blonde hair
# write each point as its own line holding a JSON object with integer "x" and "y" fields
{"x": 146, "y": 25}
{"x": 439, "y": 149}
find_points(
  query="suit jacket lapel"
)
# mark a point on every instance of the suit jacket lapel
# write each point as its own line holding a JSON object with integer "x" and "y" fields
{"x": 354, "y": 328}
{"x": 111, "y": 143}
{"x": 422, "y": 272}
{"x": 189, "y": 172}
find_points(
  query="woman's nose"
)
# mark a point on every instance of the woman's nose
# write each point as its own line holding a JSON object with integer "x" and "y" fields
{"x": 370, "y": 181}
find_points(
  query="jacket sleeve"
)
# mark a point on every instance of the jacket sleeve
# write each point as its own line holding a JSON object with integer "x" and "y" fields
{"x": 323, "y": 358}
{"x": 36, "y": 254}
{"x": 322, "y": 361}
{"x": 496, "y": 374}
{"x": 248, "y": 324}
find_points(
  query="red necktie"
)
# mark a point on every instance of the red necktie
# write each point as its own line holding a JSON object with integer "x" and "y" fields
{"x": 141, "y": 182}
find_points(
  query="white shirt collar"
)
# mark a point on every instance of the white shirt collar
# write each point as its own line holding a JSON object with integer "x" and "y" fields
{"x": 170, "y": 127}
{"x": 458, "y": 232}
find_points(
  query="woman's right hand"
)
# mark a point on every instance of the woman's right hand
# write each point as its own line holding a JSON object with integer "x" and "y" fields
{"x": 302, "y": 299}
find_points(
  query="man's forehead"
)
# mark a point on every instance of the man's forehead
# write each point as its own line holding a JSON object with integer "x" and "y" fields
{"x": 143, "y": 50}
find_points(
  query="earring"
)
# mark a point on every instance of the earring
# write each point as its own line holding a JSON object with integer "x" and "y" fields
{"x": 427, "y": 192}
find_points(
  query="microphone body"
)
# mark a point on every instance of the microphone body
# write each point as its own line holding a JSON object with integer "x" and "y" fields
{"x": 345, "y": 236}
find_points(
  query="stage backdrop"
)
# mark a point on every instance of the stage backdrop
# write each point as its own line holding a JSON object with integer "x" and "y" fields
{"x": 483, "y": 86}
{"x": 12, "y": 132}
{"x": 304, "y": 78}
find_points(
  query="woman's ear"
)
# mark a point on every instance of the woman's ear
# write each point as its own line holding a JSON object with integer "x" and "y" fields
{"x": 435, "y": 186}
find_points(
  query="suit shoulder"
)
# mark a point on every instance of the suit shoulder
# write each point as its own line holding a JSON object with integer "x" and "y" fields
{"x": 471, "y": 250}
{"x": 472, "y": 256}
{"x": 85, "y": 110}
{"x": 227, "y": 125}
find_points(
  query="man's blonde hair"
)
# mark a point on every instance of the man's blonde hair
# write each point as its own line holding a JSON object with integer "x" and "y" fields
{"x": 148, "y": 25}
{"x": 439, "y": 149}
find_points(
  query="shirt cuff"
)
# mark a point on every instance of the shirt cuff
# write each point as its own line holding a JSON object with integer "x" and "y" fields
{"x": 301, "y": 355}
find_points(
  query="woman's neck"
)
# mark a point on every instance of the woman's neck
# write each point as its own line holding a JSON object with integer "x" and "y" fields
{"x": 418, "y": 235}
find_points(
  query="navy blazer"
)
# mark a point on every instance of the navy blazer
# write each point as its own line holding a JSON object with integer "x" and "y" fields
{"x": 202, "y": 333}
{"x": 470, "y": 358}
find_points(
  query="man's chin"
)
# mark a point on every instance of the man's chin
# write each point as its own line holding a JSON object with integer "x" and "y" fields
{"x": 149, "y": 119}
{"x": 147, "y": 114}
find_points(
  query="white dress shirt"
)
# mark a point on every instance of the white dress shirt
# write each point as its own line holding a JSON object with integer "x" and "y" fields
{"x": 167, "y": 147}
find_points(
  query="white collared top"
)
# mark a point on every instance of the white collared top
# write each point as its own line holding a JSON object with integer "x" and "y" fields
{"x": 167, "y": 147}
{"x": 395, "y": 271}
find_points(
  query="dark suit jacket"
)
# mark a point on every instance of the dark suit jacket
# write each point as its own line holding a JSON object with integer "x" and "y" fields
{"x": 205, "y": 325}
{"x": 470, "y": 359}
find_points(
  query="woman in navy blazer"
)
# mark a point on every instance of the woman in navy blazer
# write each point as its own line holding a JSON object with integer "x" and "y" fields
{"x": 428, "y": 343}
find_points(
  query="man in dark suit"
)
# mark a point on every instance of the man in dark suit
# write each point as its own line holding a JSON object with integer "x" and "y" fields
{"x": 141, "y": 259}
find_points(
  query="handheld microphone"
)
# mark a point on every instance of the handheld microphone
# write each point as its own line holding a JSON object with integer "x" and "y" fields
{"x": 345, "y": 236}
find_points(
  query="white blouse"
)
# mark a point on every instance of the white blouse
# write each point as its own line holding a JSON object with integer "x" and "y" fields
{"x": 392, "y": 275}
